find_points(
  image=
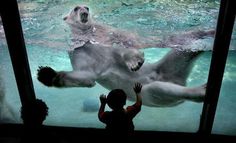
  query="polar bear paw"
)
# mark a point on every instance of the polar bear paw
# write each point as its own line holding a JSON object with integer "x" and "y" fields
{"x": 46, "y": 75}
{"x": 134, "y": 59}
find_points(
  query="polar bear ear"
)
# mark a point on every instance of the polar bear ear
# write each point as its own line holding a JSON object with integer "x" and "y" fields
{"x": 65, "y": 18}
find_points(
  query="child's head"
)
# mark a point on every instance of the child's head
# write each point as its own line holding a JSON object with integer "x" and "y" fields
{"x": 116, "y": 99}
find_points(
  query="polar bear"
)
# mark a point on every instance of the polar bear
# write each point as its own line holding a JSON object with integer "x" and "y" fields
{"x": 84, "y": 29}
{"x": 164, "y": 82}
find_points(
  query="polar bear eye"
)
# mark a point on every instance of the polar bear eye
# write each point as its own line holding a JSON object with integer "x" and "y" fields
{"x": 86, "y": 8}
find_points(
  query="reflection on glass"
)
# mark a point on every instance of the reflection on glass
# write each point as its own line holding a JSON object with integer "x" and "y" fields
{"x": 224, "y": 122}
{"x": 48, "y": 38}
{"x": 9, "y": 96}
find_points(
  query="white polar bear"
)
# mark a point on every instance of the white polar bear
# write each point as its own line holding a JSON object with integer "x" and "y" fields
{"x": 163, "y": 82}
{"x": 7, "y": 114}
{"x": 83, "y": 29}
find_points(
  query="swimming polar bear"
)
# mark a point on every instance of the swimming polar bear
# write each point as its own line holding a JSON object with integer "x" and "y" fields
{"x": 83, "y": 29}
{"x": 164, "y": 82}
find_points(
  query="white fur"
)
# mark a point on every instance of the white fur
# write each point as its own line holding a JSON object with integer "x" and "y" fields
{"x": 6, "y": 111}
{"x": 163, "y": 82}
{"x": 103, "y": 34}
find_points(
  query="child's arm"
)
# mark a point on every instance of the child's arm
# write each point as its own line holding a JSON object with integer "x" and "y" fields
{"x": 102, "y": 107}
{"x": 136, "y": 107}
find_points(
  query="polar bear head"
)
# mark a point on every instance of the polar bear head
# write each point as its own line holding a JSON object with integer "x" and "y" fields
{"x": 79, "y": 17}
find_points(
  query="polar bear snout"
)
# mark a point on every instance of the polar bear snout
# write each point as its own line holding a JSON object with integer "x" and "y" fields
{"x": 84, "y": 17}
{"x": 82, "y": 12}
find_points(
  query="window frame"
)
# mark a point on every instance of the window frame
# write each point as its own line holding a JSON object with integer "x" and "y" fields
{"x": 16, "y": 45}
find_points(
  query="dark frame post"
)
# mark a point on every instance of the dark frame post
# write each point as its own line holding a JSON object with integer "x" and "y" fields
{"x": 16, "y": 45}
{"x": 222, "y": 40}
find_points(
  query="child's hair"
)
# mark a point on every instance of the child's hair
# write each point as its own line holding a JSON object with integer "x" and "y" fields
{"x": 116, "y": 99}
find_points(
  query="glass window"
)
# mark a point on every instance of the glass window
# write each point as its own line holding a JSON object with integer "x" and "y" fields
{"x": 9, "y": 97}
{"x": 160, "y": 24}
{"x": 224, "y": 122}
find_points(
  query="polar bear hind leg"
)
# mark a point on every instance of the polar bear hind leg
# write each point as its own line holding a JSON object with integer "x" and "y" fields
{"x": 176, "y": 66}
{"x": 169, "y": 94}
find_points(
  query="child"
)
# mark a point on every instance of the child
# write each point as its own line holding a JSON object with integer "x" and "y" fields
{"x": 119, "y": 120}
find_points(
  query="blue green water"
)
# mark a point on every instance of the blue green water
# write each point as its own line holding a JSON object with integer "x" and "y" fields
{"x": 47, "y": 38}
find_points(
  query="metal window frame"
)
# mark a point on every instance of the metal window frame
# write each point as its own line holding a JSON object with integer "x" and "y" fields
{"x": 16, "y": 44}
{"x": 15, "y": 40}
{"x": 221, "y": 45}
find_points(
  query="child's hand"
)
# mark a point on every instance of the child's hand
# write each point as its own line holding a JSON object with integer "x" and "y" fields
{"x": 137, "y": 87}
{"x": 103, "y": 99}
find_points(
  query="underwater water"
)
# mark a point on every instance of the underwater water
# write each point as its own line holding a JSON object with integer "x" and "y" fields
{"x": 48, "y": 37}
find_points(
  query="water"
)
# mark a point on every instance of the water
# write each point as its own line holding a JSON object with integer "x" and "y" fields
{"x": 47, "y": 39}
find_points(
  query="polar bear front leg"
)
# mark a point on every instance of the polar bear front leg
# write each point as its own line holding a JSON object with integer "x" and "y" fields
{"x": 50, "y": 77}
{"x": 163, "y": 94}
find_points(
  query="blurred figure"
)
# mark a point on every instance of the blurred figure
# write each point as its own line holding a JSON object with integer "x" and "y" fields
{"x": 33, "y": 116}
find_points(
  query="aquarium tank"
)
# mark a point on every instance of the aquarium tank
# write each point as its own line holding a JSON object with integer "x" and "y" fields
{"x": 48, "y": 39}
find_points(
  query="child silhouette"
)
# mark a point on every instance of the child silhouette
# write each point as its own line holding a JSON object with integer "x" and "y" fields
{"x": 119, "y": 121}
